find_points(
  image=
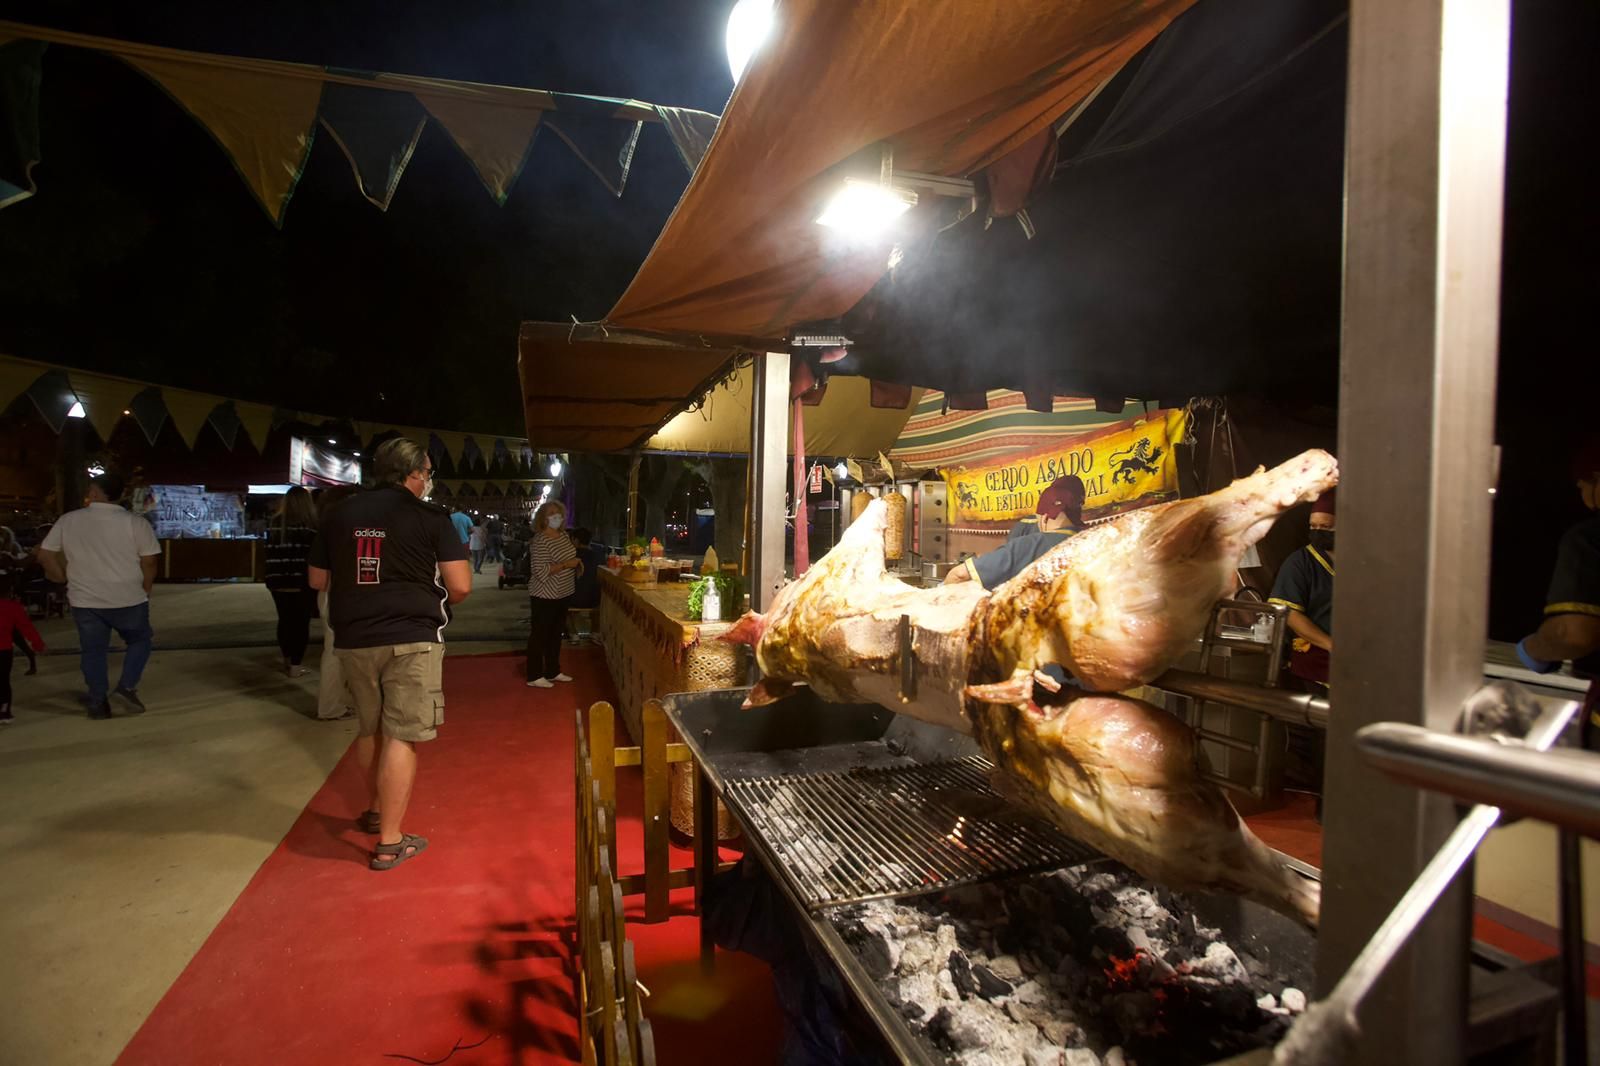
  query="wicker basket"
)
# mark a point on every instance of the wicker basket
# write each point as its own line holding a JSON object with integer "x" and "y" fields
{"x": 680, "y": 787}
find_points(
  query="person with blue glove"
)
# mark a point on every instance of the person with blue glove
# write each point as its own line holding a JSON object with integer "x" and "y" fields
{"x": 1571, "y": 626}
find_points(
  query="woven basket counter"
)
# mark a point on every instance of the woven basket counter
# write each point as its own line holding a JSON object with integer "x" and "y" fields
{"x": 652, "y": 649}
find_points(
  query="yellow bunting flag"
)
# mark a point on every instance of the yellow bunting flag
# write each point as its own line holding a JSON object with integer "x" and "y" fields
{"x": 264, "y": 121}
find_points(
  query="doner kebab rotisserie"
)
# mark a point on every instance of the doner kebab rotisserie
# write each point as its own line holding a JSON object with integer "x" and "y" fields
{"x": 1116, "y": 605}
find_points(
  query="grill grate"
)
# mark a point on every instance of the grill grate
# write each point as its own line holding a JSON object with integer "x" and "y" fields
{"x": 879, "y": 833}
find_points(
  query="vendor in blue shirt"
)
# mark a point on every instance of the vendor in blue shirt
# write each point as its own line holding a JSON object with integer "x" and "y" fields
{"x": 1059, "y": 516}
{"x": 1305, "y": 585}
{"x": 1571, "y": 626}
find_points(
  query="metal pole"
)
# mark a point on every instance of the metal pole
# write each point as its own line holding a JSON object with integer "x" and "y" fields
{"x": 633, "y": 495}
{"x": 1425, "y": 146}
{"x": 769, "y": 447}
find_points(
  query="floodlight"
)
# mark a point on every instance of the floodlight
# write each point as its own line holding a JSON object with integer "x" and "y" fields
{"x": 77, "y": 411}
{"x": 866, "y": 207}
{"x": 749, "y": 25}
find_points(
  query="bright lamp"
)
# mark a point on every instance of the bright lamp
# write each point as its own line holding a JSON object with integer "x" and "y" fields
{"x": 748, "y": 26}
{"x": 865, "y": 207}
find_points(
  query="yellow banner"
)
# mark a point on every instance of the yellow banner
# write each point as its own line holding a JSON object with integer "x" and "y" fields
{"x": 1123, "y": 467}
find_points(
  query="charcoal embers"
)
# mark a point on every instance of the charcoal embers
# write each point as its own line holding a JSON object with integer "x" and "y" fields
{"x": 1083, "y": 967}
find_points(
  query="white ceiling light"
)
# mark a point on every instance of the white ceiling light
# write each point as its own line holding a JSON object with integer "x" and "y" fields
{"x": 866, "y": 207}
{"x": 749, "y": 25}
{"x": 77, "y": 411}
{"x": 555, "y": 468}
{"x": 331, "y": 440}
{"x": 95, "y": 469}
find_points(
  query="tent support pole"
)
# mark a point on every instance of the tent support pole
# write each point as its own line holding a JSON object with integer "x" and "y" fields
{"x": 769, "y": 448}
{"x": 1424, "y": 169}
{"x": 633, "y": 493}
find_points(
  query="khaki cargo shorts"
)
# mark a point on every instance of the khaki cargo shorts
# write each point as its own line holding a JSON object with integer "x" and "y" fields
{"x": 400, "y": 686}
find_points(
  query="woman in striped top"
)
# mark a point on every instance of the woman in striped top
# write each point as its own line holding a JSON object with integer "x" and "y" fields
{"x": 289, "y": 537}
{"x": 553, "y": 568}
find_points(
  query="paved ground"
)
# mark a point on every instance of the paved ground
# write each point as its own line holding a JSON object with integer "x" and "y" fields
{"x": 225, "y": 615}
{"x": 125, "y": 841}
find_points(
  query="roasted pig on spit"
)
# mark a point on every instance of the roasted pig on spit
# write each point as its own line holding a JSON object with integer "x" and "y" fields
{"x": 1116, "y": 606}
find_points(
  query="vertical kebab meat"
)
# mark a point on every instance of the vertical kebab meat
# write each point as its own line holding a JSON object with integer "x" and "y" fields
{"x": 1116, "y": 605}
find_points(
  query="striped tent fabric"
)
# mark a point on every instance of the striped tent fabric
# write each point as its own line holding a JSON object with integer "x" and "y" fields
{"x": 935, "y": 436}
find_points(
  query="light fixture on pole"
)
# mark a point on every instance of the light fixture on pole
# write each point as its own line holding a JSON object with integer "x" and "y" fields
{"x": 749, "y": 26}
{"x": 863, "y": 207}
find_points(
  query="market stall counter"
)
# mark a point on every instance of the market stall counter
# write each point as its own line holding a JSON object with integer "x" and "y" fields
{"x": 653, "y": 647}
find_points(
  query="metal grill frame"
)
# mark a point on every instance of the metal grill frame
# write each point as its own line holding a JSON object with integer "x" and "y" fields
{"x": 892, "y": 832}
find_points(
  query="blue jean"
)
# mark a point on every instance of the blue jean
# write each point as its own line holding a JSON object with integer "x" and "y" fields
{"x": 95, "y": 624}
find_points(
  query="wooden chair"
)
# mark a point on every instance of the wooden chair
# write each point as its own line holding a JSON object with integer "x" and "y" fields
{"x": 655, "y": 754}
{"x": 612, "y": 1028}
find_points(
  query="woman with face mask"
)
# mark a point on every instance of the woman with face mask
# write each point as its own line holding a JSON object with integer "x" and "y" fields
{"x": 1305, "y": 586}
{"x": 553, "y": 568}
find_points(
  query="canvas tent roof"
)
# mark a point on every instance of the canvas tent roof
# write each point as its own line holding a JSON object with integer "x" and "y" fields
{"x": 844, "y": 423}
{"x": 952, "y": 86}
{"x": 585, "y": 389}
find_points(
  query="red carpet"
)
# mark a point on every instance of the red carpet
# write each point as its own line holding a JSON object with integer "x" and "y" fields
{"x": 324, "y": 961}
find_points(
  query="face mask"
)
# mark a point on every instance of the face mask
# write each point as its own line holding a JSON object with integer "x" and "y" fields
{"x": 1322, "y": 540}
{"x": 554, "y": 521}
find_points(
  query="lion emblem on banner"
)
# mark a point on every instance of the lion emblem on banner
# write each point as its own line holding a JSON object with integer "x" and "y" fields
{"x": 967, "y": 495}
{"x": 1142, "y": 458}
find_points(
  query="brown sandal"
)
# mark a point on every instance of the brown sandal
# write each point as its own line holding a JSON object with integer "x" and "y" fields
{"x": 388, "y": 856}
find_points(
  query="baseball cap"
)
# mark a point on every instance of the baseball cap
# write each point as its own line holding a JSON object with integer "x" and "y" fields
{"x": 1325, "y": 503}
{"x": 1064, "y": 494}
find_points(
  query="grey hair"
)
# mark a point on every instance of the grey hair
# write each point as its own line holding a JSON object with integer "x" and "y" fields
{"x": 395, "y": 460}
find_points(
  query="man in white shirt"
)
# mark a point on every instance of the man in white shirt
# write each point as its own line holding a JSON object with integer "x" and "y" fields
{"x": 107, "y": 557}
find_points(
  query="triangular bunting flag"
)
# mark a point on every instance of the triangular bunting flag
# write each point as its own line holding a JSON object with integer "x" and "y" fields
{"x": 149, "y": 411}
{"x": 257, "y": 419}
{"x": 104, "y": 399}
{"x": 265, "y": 122}
{"x": 495, "y": 139}
{"x": 16, "y": 378}
{"x": 20, "y": 65}
{"x": 691, "y": 132}
{"x": 189, "y": 411}
{"x": 377, "y": 130}
{"x": 225, "y": 420}
{"x": 603, "y": 142}
{"x": 52, "y": 394}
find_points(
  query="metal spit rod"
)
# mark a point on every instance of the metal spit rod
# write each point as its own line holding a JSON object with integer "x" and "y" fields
{"x": 1559, "y": 787}
{"x": 1300, "y": 708}
{"x": 1327, "y": 1032}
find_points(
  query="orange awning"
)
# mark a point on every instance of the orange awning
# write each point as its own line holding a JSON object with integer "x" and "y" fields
{"x": 950, "y": 85}
{"x": 590, "y": 390}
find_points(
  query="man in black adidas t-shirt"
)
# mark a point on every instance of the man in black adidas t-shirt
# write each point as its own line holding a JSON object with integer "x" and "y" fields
{"x": 392, "y": 565}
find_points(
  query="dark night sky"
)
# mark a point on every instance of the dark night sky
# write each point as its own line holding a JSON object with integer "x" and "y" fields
{"x": 144, "y": 254}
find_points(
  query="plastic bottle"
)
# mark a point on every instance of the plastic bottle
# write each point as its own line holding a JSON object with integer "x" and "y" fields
{"x": 711, "y": 603}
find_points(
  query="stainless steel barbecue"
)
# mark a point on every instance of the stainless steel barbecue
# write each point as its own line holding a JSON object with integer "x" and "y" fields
{"x": 848, "y": 804}
{"x": 890, "y": 831}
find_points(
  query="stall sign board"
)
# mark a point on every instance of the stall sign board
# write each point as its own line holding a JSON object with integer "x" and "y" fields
{"x": 181, "y": 512}
{"x": 312, "y": 464}
{"x": 1123, "y": 467}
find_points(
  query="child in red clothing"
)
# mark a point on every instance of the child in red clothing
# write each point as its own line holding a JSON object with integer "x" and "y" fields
{"x": 13, "y": 618}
